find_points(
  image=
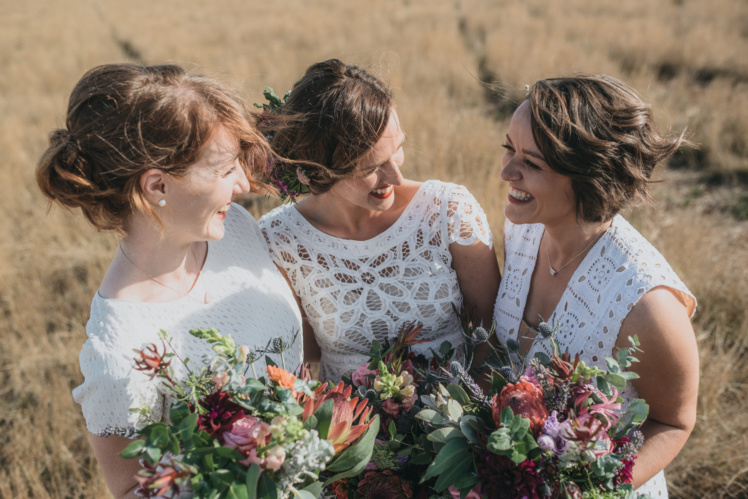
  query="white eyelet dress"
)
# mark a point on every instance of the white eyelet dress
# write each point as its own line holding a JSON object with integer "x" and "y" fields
{"x": 250, "y": 300}
{"x": 354, "y": 292}
{"x": 619, "y": 269}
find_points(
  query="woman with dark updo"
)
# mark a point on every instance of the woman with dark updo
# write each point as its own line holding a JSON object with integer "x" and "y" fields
{"x": 157, "y": 155}
{"x": 368, "y": 251}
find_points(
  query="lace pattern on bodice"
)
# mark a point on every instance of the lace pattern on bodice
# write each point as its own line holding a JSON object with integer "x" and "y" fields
{"x": 251, "y": 301}
{"x": 619, "y": 269}
{"x": 354, "y": 292}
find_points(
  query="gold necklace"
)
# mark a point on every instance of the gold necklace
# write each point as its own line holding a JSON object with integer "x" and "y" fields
{"x": 181, "y": 294}
{"x": 548, "y": 256}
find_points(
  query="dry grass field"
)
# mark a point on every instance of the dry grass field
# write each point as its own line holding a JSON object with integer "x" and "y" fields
{"x": 687, "y": 57}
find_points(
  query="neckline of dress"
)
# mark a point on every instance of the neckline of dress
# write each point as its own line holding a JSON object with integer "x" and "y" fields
{"x": 583, "y": 265}
{"x": 300, "y": 219}
{"x": 191, "y": 296}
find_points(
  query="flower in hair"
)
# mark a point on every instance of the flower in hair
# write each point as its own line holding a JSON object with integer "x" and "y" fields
{"x": 290, "y": 182}
{"x": 302, "y": 176}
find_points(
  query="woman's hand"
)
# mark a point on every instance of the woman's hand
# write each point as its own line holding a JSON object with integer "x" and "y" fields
{"x": 669, "y": 377}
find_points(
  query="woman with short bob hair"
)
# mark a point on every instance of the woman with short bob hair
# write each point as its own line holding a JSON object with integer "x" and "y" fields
{"x": 157, "y": 154}
{"x": 368, "y": 251}
{"x": 579, "y": 150}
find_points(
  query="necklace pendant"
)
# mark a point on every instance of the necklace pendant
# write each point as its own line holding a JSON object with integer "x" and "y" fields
{"x": 208, "y": 298}
{"x": 553, "y": 271}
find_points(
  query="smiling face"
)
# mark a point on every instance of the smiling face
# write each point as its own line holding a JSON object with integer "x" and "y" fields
{"x": 537, "y": 194}
{"x": 373, "y": 186}
{"x": 196, "y": 204}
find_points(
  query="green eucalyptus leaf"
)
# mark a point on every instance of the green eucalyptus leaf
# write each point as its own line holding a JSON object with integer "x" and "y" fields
{"x": 430, "y": 416}
{"x": 457, "y": 393}
{"x": 470, "y": 427}
{"x": 315, "y": 489}
{"x": 266, "y": 488}
{"x": 133, "y": 450}
{"x": 454, "y": 409}
{"x": 453, "y": 474}
{"x": 253, "y": 477}
{"x": 451, "y": 455}
{"x": 446, "y": 434}
{"x": 237, "y": 491}
{"x": 187, "y": 427}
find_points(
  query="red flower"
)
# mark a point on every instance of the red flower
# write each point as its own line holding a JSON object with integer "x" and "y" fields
{"x": 220, "y": 414}
{"x": 383, "y": 485}
{"x": 340, "y": 488}
{"x": 152, "y": 362}
{"x": 526, "y": 400}
{"x": 500, "y": 478}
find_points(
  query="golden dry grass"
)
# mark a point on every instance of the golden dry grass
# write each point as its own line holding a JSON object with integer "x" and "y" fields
{"x": 686, "y": 57}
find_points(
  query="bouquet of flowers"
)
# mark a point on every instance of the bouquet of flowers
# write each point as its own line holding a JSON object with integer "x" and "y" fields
{"x": 236, "y": 437}
{"x": 393, "y": 381}
{"x": 550, "y": 427}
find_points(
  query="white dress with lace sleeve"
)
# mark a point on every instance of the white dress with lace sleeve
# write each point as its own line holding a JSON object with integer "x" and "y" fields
{"x": 619, "y": 269}
{"x": 249, "y": 299}
{"x": 354, "y": 292}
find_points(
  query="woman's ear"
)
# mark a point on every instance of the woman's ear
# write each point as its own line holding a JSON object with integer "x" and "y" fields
{"x": 153, "y": 186}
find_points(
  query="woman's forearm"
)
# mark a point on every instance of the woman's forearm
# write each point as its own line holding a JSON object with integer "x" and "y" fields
{"x": 661, "y": 444}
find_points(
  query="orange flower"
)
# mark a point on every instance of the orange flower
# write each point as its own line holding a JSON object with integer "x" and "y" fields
{"x": 345, "y": 414}
{"x": 526, "y": 400}
{"x": 283, "y": 378}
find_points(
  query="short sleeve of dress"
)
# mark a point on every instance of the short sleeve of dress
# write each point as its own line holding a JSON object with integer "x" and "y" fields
{"x": 112, "y": 387}
{"x": 466, "y": 221}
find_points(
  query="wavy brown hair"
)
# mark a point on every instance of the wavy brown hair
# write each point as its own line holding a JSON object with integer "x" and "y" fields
{"x": 334, "y": 115}
{"x": 124, "y": 119}
{"x": 598, "y": 131}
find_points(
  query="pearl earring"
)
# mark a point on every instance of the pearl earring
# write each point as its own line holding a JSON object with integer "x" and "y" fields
{"x": 162, "y": 203}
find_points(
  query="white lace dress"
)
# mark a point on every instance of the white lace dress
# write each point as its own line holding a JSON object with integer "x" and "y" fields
{"x": 619, "y": 269}
{"x": 354, "y": 292}
{"x": 250, "y": 300}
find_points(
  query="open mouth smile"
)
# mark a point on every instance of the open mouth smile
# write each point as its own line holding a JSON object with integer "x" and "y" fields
{"x": 518, "y": 195}
{"x": 384, "y": 192}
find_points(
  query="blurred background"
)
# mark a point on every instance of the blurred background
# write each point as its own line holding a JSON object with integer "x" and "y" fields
{"x": 686, "y": 57}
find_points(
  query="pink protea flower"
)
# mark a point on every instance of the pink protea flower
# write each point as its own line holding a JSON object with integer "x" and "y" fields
{"x": 350, "y": 417}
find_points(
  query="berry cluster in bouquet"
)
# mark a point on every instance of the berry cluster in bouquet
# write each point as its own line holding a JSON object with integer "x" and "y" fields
{"x": 549, "y": 427}
{"x": 233, "y": 436}
{"x": 393, "y": 381}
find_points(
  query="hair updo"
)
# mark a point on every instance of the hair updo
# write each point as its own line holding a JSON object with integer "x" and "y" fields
{"x": 598, "y": 132}
{"x": 335, "y": 114}
{"x": 124, "y": 119}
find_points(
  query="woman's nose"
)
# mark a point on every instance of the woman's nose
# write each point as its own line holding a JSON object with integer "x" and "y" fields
{"x": 393, "y": 175}
{"x": 509, "y": 170}
{"x": 242, "y": 182}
